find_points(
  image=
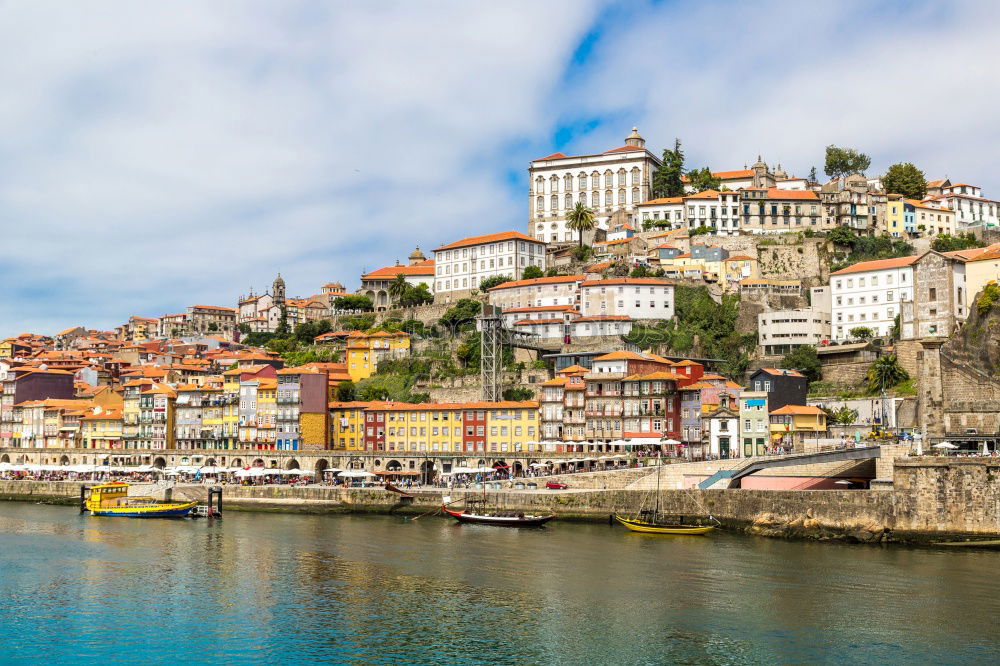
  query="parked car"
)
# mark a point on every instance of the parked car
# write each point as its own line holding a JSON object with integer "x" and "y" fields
{"x": 556, "y": 485}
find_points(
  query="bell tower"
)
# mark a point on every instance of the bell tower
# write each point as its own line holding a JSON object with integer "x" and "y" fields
{"x": 278, "y": 290}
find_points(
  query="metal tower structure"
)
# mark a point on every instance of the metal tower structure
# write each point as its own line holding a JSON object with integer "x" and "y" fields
{"x": 492, "y": 336}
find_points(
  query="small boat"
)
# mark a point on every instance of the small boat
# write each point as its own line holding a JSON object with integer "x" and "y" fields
{"x": 111, "y": 499}
{"x": 650, "y": 527}
{"x": 500, "y": 518}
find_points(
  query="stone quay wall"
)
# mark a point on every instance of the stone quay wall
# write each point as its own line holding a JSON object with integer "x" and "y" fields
{"x": 932, "y": 499}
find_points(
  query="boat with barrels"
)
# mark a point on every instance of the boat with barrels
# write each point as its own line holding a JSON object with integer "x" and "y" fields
{"x": 112, "y": 499}
{"x": 477, "y": 512}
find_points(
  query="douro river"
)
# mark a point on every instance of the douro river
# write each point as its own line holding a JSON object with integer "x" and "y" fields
{"x": 288, "y": 588}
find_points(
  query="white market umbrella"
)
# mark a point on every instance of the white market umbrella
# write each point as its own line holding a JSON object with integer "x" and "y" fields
{"x": 986, "y": 448}
{"x": 355, "y": 474}
{"x": 944, "y": 445}
{"x": 671, "y": 442}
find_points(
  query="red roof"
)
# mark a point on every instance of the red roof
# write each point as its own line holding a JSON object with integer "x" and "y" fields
{"x": 489, "y": 238}
{"x": 625, "y": 281}
{"x": 804, "y": 410}
{"x": 878, "y": 265}
{"x": 733, "y": 175}
{"x": 422, "y": 268}
{"x": 553, "y": 156}
{"x": 800, "y": 195}
{"x": 542, "y": 280}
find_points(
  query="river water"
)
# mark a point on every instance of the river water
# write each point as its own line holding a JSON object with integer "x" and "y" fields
{"x": 376, "y": 589}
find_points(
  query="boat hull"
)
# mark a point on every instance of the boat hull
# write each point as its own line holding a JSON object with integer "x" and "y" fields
{"x": 161, "y": 511}
{"x": 653, "y": 528}
{"x": 498, "y": 521}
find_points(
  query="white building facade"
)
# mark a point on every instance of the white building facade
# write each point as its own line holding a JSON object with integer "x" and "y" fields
{"x": 618, "y": 179}
{"x": 869, "y": 294}
{"x": 636, "y": 298}
{"x": 459, "y": 267}
{"x": 780, "y": 331}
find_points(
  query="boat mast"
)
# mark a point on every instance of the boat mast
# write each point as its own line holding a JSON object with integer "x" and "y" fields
{"x": 656, "y": 510}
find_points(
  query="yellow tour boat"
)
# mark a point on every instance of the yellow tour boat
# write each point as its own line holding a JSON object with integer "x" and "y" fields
{"x": 111, "y": 499}
{"x": 662, "y": 528}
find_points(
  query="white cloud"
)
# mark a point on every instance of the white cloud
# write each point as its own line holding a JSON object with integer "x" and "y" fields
{"x": 155, "y": 156}
{"x": 900, "y": 81}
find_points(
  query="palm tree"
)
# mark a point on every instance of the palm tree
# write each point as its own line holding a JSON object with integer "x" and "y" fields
{"x": 397, "y": 288}
{"x": 885, "y": 373}
{"x": 580, "y": 219}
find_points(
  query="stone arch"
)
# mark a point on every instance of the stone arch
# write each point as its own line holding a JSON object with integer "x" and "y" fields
{"x": 258, "y": 462}
{"x": 394, "y": 466}
{"x": 159, "y": 462}
{"x": 238, "y": 462}
{"x": 292, "y": 464}
{"x": 427, "y": 471}
{"x": 500, "y": 463}
{"x": 516, "y": 468}
{"x": 210, "y": 462}
{"x": 5, "y": 458}
{"x": 274, "y": 464}
{"x": 64, "y": 460}
{"x": 321, "y": 466}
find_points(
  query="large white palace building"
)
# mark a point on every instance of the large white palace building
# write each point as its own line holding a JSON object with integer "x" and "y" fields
{"x": 618, "y": 179}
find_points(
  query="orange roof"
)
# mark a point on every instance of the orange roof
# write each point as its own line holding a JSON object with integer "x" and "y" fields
{"x": 733, "y": 175}
{"x": 434, "y": 406}
{"x": 553, "y": 156}
{"x": 213, "y": 307}
{"x": 572, "y": 369}
{"x": 804, "y": 410}
{"x": 621, "y": 355}
{"x": 665, "y": 246}
{"x": 803, "y": 195}
{"x": 696, "y": 386}
{"x": 625, "y": 281}
{"x": 707, "y": 194}
{"x": 686, "y": 362}
{"x": 532, "y": 322}
{"x": 556, "y": 279}
{"x": 558, "y": 381}
{"x": 604, "y": 318}
{"x": 423, "y": 268}
{"x": 542, "y": 308}
{"x": 741, "y": 257}
{"x": 878, "y": 265}
{"x": 664, "y": 200}
{"x": 489, "y": 238}
{"x": 613, "y": 242}
{"x": 598, "y": 267}
{"x": 780, "y": 372}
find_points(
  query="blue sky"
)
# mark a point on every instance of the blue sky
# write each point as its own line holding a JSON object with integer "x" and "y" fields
{"x": 155, "y": 156}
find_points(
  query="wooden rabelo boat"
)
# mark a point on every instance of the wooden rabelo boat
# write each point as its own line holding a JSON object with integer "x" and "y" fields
{"x": 650, "y": 521}
{"x": 498, "y": 518}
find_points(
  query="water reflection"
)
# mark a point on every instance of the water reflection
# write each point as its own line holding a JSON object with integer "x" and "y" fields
{"x": 377, "y": 589}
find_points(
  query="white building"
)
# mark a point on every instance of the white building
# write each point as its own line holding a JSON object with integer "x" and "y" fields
{"x": 617, "y": 179}
{"x": 459, "y": 267}
{"x": 869, "y": 294}
{"x": 537, "y": 292}
{"x": 968, "y": 204}
{"x": 636, "y": 298}
{"x": 666, "y": 212}
{"x": 780, "y": 331}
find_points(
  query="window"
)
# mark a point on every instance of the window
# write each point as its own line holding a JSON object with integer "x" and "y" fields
{"x": 932, "y": 294}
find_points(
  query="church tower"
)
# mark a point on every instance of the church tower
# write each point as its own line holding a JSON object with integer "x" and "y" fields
{"x": 278, "y": 290}
{"x": 634, "y": 139}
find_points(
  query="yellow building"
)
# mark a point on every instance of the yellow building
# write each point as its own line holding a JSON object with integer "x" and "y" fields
{"x": 365, "y": 350}
{"x": 231, "y": 408}
{"x": 347, "y": 425}
{"x": 894, "y": 216}
{"x": 102, "y": 429}
{"x": 511, "y": 426}
{"x": 792, "y": 424}
{"x": 425, "y": 427}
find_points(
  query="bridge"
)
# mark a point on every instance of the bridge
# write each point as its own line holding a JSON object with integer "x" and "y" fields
{"x": 731, "y": 477}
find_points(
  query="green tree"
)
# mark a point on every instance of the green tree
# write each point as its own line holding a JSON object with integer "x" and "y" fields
{"x": 414, "y": 296}
{"x": 905, "y": 179}
{"x": 583, "y": 253}
{"x": 668, "y": 178}
{"x": 842, "y": 415}
{"x": 397, "y": 288}
{"x": 345, "y": 391}
{"x": 805, "y": 360}
{"x": 949, "y": 243}
{"x": 700, "y": 230}
{"x": 862, "y": 333}
{"x": 212, "y": 326}
{"x": 552, "y": 272}
{"x": 702, "y": 179}
{"x": 307, "y": 331}
{"x": 353, "y": 303}
{"x": 580, "y": 218}
{"x": 894, "y": 330}
{"x": 531, "y": 272}
{"x": 812, "y": 175}
{"x": 842, "y": 162}
{"x": 462, "y": 315}
{"x": 518, "y": 393}
{"x": 842, "y": 236}
{"x": 987, "y": 298}
{"x": 244, "y": 328}
{"x": 356, "y": 322}
{"x": 885, "y": 373}
{"x": 640, "y": 271}
{"x": 494, "y": 280}
{"x": 282, "y": 330}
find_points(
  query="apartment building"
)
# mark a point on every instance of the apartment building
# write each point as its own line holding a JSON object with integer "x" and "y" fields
{"x": 636, "y": 298}
{"x": 754, "y": 423}
{"x": 461, "y": 266}
{"x": 616, "y": 180}
{"x": 870, "y": 294}
{"x": 781, "y": 331}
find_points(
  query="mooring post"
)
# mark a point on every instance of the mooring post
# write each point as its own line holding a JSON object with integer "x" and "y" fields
{"x": 83, "y": 498}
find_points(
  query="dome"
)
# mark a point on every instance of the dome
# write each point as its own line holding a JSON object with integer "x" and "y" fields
{"x": 279, "y": 280}
{"x": 634, "y": 139}
{"x": 417, "y": 256}
{"x": 759, "y": 164}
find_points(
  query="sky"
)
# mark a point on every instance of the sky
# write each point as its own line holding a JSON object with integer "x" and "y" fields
{"x": 159, "y": 155}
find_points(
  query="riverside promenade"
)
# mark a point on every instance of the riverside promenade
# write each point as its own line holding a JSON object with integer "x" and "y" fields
{"x": 932, "y": 499}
